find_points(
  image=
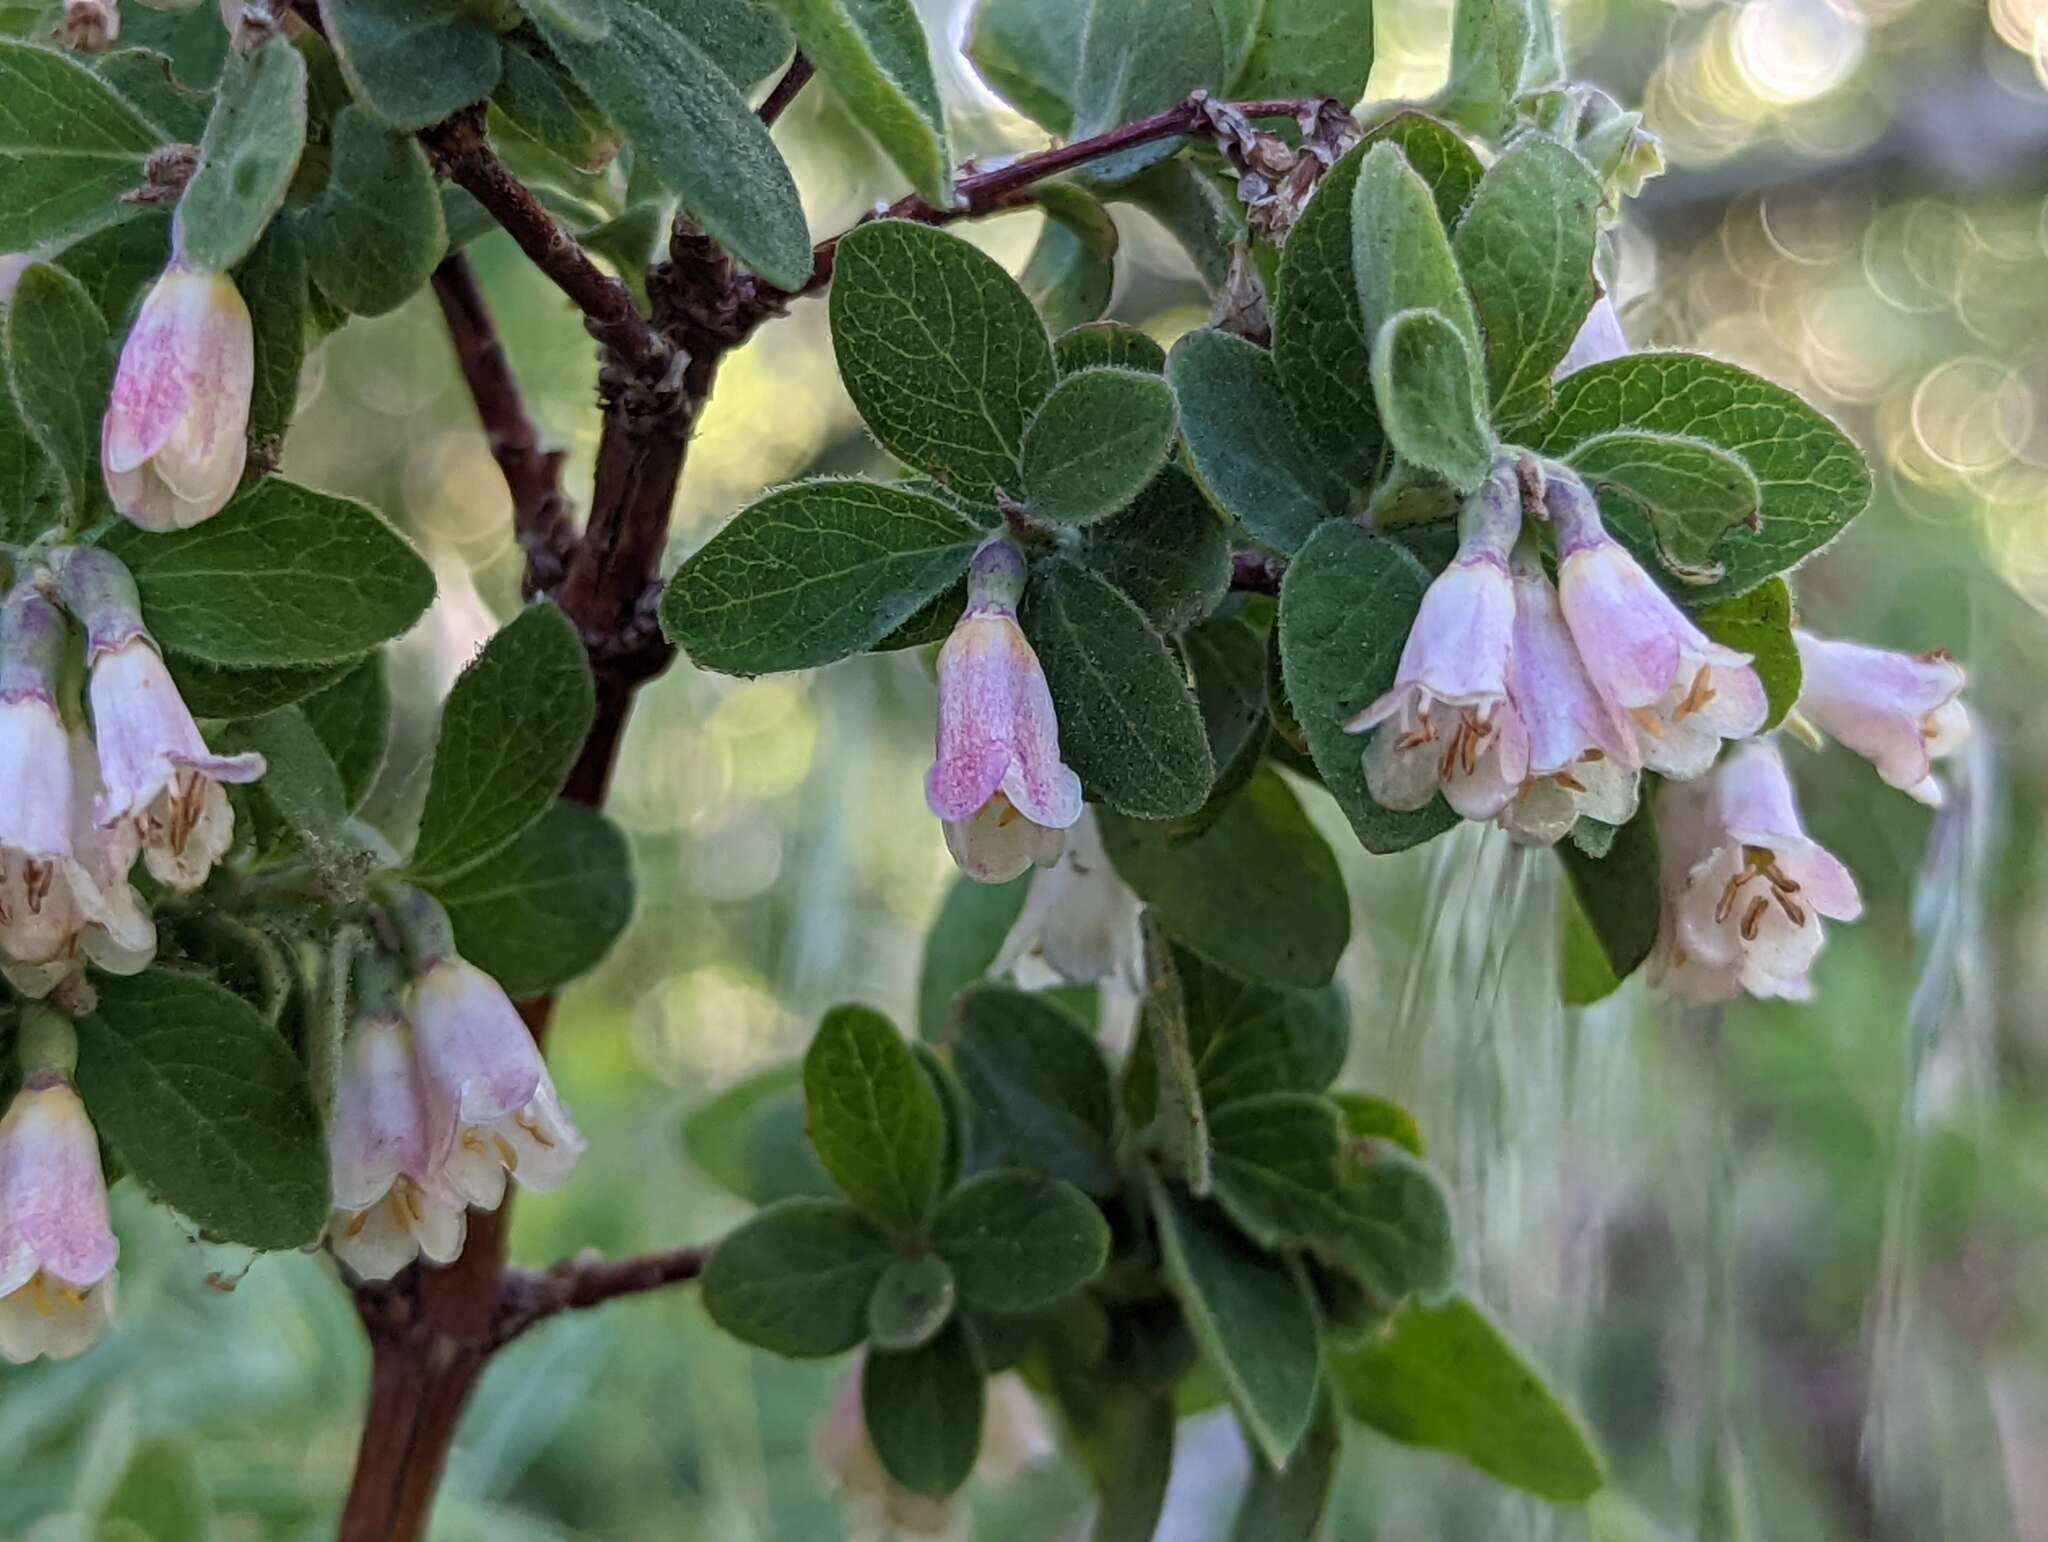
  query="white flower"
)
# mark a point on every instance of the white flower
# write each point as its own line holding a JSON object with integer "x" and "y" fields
{"x": 57, "y": 1251}
{"x": 1448, "y": 723}
{"x": 997, "y": 782}
{"x": 1899, "y": 712}
{"x": 1582, "y": 754}
{"x": 491, "y": 1106}
{"x": 1745, "y": 888}
{"x": 1683, "y": 691}
{"x": 1079, "y": 916}
{"x": 388, "y": 1207}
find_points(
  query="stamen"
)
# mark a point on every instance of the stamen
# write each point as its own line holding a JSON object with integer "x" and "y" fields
{"x": 1569, "y": 782}
{"x": 1753, "y": 918}
{"x": 417, "y": 1210}
{"x": 39, "y": 1296}
{"x": 1647, "y": 721}
{"x": 1701, "y": 693}
{"x": 1592, "y": 755}
{"x": 473, "y": 1141}
{"x": 356, "y": 1224}
{"x": 1796, "y": 914}
{"x": 531, "y": 1126}
{"x": 507, "y": 1154}
{"x": 36, "y": 878}
{"x": 1729, "y": 895}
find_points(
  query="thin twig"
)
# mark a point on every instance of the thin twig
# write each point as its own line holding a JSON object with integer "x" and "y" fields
{"x": 794, "y": 79}
{"x": 532, "y": 475}
{"x": 462, "y": 148}
{"x": 1000, "y": 187}
{"x": 529, "y": 1297}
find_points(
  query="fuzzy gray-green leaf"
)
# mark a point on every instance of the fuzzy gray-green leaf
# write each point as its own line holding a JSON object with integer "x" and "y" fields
{"x": 1427, "y": 382}
{"x": 70, "y": 146}
{"x": 873, "y": 1117}
{"x": 377, "y": 232}
{"x": 874, "y": 55}
{"x": 1098, "y": 439}
{"x": 1691, "y": 494}
{"x": 247, "y": 158}
{"x": 797, "y": 1277}
{"x": 58, "y": 360}
{"x": 411, "y": 63}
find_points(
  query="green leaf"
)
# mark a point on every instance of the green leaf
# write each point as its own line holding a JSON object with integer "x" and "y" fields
{"x": 1286, "y": 1504}
{"x": 1168, "y": 552}
{"x": 1381, "y": 1118}
{"x": 1128, "y": 724}
{"x": 1401, "y": 259}
{"x": 1245, "y": 442}
{"x": 1228, "y": 660}
{"x": 1108, "y": 345}
{"x": 912, "y": 1301}
{"x": 1620, "y": 894}
{"x": 1759, "y": 624}
{"x": 750, "y": 1139}
{"x": 1346, "y": 604}
{"x": 1179, "y": 1128}
{"x": 1071, "y": 272}
{"x": 206, "y": 1105}
{"x": 1446, "y": 1377}
{"x": 352, "y": 716}
{"x": 1309, "y": 48}
{"x": 70, "y": 147}
{"x": 300, "y": 781}
{"x": 412, "y": 63}
{"x": 1198, "y": 206}
{"x": 1425, "y": 377}
{"x": 273, "y": 285}
{"x": 118, "y": 262}
{"x": 873, "y": 53}
{"x": 796, "y": 1278}
{"x": 1139, "y": 57}
{"x": 1257, "y": 890}
{"x": 1038, "y": 1084}
{"x": 1030, "y": 54}
{"x": 745, "y": 39}
{"x": 61, "y": 368}
{"x": 1135, "y": 1441}
{"x": 512, "y": 727}
{"x": 210, "y": 690}
{"x": 147, "y": 79}
{"x": 923, "y": 1410}
{"x": 1250, "y": 1314}
{"x": 963, "y": 944}
{"x": 812, "y": 573}
{"x": 1525, "y": 247}
{"x": 1685, "y": 491}
{"x": 282, "y": 575}
{"x": 1490, "y": 52}
{"x": 373, "y": 239}
{"x": 693, "y": 130}
{"x": 1585, "y": 975}
{"x": 1251, "y": 1039}
{"x": 1812, "y": 478}
{"x": 873, "y": 1117}
{"x": 537, "y": 913}
{"x": 539, "y": 95}
{"x": 941, "y": 351}
{"x": 1019, "y": 1241}
{"x": 160, "y": 1493}
{"x": 247, "y": 158}
{"x": 1100, "y": 437}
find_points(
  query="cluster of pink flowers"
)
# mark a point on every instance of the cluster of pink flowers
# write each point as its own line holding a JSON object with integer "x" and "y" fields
{"x": 997, "y": 783}
{"x": 57, "y": 1250}
{"x": 85, "y": 801}
{"x": 442, "y": 1096}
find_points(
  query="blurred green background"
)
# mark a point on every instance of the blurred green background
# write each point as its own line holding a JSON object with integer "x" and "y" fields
{"x": 1782, "y": 1257}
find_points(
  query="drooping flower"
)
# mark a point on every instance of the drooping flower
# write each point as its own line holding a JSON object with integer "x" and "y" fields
{"x": 1745, "y": 888}
{"x": 64, "y": 887}
{"x": 997, "y": 780}
{"x": 57, "y": 1250}
{"x": 175, "y": 436}
{"x": 1448, "y": 723}
{"x": 389, "y": 1207}
{"x": 157, "y": 770}
{"x": 1683, "y": 692}
{"x": 1582, "y": 753}
{"x": 1079, "y": 916}
{"x": 1898, "y": 712}
{"x": 90, "y": 26}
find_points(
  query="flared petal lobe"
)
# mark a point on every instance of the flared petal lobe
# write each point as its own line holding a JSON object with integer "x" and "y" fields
{"x": 1899, "y": 712}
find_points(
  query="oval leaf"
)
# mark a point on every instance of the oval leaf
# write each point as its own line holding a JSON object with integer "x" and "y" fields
{"x": 796, "y": 1278}
{"x": 1019, "y": 1241}
{"x": 874, "y": 55}
{"x": 412, "y": 62}
{"x": 923, "y": 1410}
{"x": 58, "y": 360}
{"x": 1427, "y": 382}
{"x": 247, "y": 158}
{"x": 70, "y": 146}
{"x": 873, "y": 1117}
{"x": 377, "y": 232}
{"x": 1038, "y": 1084}
{"x": 1100, "y": 437}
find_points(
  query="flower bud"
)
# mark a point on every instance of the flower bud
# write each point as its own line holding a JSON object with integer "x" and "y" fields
{"x": 1683, "y": 692}
{"x": 57, "y": 1250}
{"x": 1898, "y": 712}
{"x": 1582, "y": 755}
{"x": 1447, "y": 723}
{"x": 90, "y": 26}
{"x": 997, "y": 780}
{"x": 175, "y": 436}
{"x": 1745, "y": 889}
{"x": 158, "y": 772}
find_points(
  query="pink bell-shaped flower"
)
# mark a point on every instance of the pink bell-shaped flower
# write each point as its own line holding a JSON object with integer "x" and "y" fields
{"x": 997, "y": 780}
{"x": 175, "y": 436}
{"x": 156, "y": 768}
{"x": 1898, "y": 712}
{"x": 389, "y": 1207}
{"x": 1683, "y": 692}
{"x": 1582, "y": 753}
{"x": 1745, "y": 888}
{"x": 1448, "y": 723}
{"x": 57, "y": 1251}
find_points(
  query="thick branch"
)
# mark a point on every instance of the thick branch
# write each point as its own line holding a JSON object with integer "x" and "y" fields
{"x": 1002, "y": 187}
{"x": 462, "y": 148}
{"x": 532, "y": 475}
{"x": 528, "y": 1298}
